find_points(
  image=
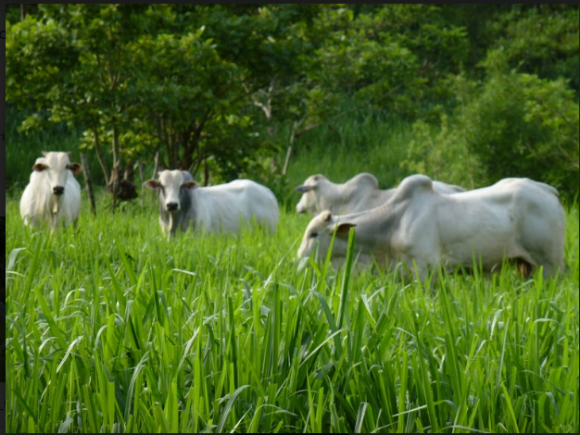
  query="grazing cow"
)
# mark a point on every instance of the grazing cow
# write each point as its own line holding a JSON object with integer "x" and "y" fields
{"x": 516, "y": 218}
{"x": 53, "y": 195}
{"x": 359, "y": 193}
{"x": 221, "y": 208}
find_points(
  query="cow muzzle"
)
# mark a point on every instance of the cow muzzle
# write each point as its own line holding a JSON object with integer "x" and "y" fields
{"x": 58, "y": 190}
{"x": 172, "y": 206}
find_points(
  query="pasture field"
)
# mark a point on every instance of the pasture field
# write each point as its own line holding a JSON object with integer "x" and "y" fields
{"x": 111, "y": 328}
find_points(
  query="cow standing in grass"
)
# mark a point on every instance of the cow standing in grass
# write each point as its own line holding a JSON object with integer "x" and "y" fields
{"x": 53, "y": 195}
{"x": 221, "y": 208}
{"x": 516, "y": 218}
{"x": 359, "y": 193}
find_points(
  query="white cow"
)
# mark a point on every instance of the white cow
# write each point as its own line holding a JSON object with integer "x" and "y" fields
{"x": 222, "y": 208}
{"x": 359, "y": 193}
{"x": 53, "y": 195}
{"x": 516, "y": 218}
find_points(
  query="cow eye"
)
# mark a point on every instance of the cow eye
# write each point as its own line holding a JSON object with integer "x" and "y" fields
{"x": 313, "y": 235}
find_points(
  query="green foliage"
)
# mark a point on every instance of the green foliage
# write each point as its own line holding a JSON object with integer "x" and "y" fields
{"x": 112, "y": 79}
{"x": 525, "y": 126}
{"x": 518, "y": 116}
{"x": 191, "y": 80}
{"x": 222, "y": 89}
{"x": 440, "y": 152}
{"x": 392, "y": 58}
{"x": 513, "y": 124}
{"x": 541, "y": 40}
{"x": 196, "y": 111}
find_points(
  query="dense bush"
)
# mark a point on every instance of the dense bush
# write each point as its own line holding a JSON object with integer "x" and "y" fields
{"x": 439, "y": 151}
{"x": 512, "y": 125}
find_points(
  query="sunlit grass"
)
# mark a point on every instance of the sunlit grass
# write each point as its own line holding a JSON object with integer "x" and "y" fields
{"x": 113, "y": 328}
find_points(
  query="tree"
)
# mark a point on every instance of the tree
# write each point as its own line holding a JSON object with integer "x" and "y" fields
{"x": 72, "y": 62}
{"x": 217, "y": 88}
{"x": 100, "y": 67}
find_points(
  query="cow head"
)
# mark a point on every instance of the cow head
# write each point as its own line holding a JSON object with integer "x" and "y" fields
{"x": 57, "y": 167}
{"x": 170, "y": 186}
{"x": 319, "y": 233}
{"x": 309, "y": 201}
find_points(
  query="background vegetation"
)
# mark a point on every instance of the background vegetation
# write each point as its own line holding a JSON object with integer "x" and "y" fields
{"x": 473, "y": 93}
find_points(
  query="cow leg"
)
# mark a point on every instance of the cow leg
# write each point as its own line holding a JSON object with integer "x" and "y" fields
{"x": 536, "y": 259}
{"x": 524, "y": 268}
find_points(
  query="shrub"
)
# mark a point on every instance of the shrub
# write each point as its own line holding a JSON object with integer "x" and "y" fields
{"x": 513, "y": 125}
{"x": 440, "y": 152}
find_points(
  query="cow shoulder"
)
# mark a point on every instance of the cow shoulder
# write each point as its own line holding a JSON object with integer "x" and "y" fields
{"x": 364, "y": 180}
{"x": 536, "y": 195}
{"x": 241, "y": 189}
{"x": 413, "y": 185}
{"x": 545, "y": 187}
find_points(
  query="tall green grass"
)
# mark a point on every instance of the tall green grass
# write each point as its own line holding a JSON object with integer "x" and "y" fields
{"x": 113, "y": 328}
{"x": 366, "y": 142}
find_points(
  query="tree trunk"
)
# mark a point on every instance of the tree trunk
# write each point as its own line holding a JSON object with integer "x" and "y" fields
{"x": 89, "y": 183}
{"x": 205, "y": 172}
{"x": 154, "y": 175}
{"x": 156, "y": 166}
{"x": 142, "y": 177}
{"x": 129, "y": 171}
{"x": 116, "y": 166}
{"x": 100, "y": 157}
{"x": 292, "y": 136}
{"x": 191, "y": 146}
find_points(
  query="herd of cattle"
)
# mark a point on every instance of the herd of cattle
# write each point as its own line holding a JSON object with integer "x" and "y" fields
{"x": 420, "y": 223}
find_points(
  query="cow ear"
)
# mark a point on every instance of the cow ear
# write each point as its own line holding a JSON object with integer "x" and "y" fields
{"x": 304, "y": 188}
{"x": 39, "y": 167}
{"x": 75, "y": 168}
{"x": 152, "y": 184}
{"x": 343, "y": 229}
{"x": 190, "y": 185}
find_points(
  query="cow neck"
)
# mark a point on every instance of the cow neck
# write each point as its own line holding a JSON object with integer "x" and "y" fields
{"x": 193, "y": 199}
{"x": 375, "y": 226}
{"x": 53, "y": 203}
